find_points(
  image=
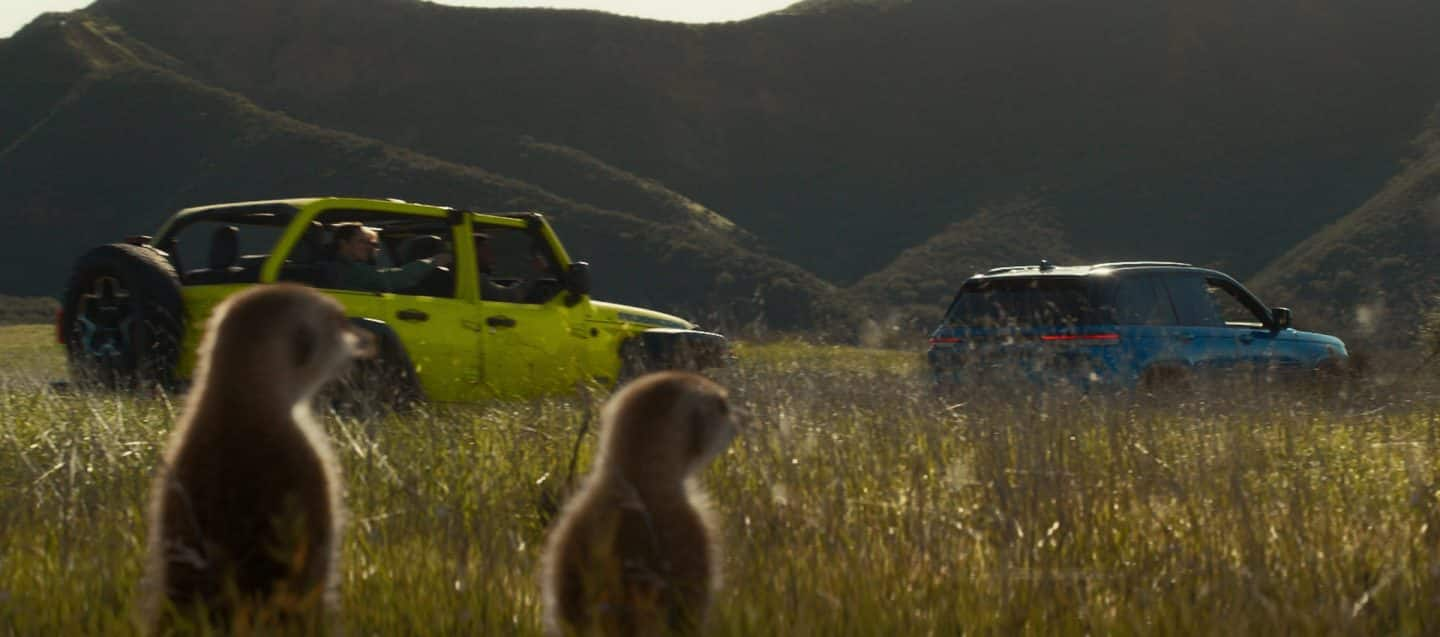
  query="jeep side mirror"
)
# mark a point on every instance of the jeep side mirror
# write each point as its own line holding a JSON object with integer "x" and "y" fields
{"x": 577, "y": 278}
{"x": 1281, "y": 317}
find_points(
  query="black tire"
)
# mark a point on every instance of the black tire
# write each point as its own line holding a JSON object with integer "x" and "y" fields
{"x": 123, "y": 319}
{"x": 377, "y": 386}
{"x": 634, "y": 361}
{"x": 1167, "y": 382}
{"x": 1339, "y": 377}
{"x": 671, "y": 349}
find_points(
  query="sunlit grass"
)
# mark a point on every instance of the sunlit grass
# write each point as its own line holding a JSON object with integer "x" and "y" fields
{"x": 29, "y": 351}
{"x": 860, "y": 505}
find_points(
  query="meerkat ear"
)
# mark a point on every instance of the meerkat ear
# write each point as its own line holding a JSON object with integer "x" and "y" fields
{"x": 303, "y": 342}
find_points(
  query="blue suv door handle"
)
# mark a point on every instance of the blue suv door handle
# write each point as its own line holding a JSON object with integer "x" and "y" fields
{"x": 1246, "y": 338}
{"x": 1185, "y": 336}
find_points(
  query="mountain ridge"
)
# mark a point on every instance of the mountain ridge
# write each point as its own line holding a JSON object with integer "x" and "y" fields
{"x": 905, "y": 108}
{"x": 865, "y": 142}
{"x": 1371, "y": 273}
{"x": 220, "y": 147}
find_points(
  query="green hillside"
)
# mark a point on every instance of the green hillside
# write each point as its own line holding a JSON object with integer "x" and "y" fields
{"x": 916, "y": 288}
{"x": 341, "y": 51}
{"x": 583, "y": 177}
{"x": 822, "y": 6}
{"x": 1372, "y": 272}
{"x": 40, "y": 63}
{"x": 850, "y": 139}
{"x": 132, "y": 143}
{"x": 1214, "y": 131}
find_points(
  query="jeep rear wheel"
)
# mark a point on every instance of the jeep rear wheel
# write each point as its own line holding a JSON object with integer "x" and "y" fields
{"x": 122, "y": 318}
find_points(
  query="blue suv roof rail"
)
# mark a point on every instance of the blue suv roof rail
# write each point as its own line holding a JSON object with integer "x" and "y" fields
{"x": 1012, "y": 268}
{"x": 1139, "y": 264}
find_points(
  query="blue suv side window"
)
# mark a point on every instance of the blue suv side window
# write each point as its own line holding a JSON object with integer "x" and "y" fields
{"x": 1139, "y": 300}
{"x": 1235, "y": 307}
{"x": 1193, "y": 304}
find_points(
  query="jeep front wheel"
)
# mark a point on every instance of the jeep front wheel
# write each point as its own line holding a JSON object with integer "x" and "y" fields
{"x": 662, "y": 349}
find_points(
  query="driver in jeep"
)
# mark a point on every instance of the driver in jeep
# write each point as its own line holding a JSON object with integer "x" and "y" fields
{"x": 352, "y": 269}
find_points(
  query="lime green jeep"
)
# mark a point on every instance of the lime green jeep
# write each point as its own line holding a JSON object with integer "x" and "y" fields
{"x": 465, "y": 305}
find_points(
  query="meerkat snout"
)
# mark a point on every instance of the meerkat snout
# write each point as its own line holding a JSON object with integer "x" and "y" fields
{"x": 635, "y": 549}
{"x": 245, "y": 514}
{"x": 323, "y": 344}
{"x": 713, "y": 426}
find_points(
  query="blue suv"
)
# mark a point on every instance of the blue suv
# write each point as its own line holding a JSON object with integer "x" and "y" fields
{"x": 1118, "y": 325}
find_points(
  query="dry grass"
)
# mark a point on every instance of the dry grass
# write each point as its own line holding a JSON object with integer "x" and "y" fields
{"x": 861, "y": 506}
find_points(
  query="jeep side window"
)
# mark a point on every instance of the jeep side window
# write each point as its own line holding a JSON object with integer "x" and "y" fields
{"x": 515, "y": 266}
{"x": 305, "y": 263}
{"x": 1139, "y": 300}
{"x": 1192, "y": 302}
{"x": 1232, "y": 305}
{"x": 399, "y": 261}
{"x": 224, "y": 251}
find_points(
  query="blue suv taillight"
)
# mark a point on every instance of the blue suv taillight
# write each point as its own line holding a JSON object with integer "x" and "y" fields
{"x": 1103, "y": 338}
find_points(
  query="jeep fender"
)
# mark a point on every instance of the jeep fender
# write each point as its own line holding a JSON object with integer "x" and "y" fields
{"x": 670, "y": 348}
{"x": 392, "y": 360}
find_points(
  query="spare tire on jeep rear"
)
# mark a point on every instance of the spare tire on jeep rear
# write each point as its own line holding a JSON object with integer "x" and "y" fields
{"x": 122, "y": 318}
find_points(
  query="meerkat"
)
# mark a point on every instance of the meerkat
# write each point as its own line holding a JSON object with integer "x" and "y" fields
{"x": 245, "y": 513}
{"x": 635, "y": 551}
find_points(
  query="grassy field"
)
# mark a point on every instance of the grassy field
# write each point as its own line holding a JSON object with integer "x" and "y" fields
{"x": 860, "y": 505}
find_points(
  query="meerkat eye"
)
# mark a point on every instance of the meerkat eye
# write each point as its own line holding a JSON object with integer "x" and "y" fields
{"x": 304, "y": 345}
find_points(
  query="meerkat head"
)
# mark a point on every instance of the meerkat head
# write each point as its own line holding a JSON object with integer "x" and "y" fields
{"x": 286, "y": 338}
{"x": 666, "y": 424}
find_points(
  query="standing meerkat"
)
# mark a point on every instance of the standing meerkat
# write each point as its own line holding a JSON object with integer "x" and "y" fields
{"x": 634, "y": 551}
{"x": 245, "y": 514}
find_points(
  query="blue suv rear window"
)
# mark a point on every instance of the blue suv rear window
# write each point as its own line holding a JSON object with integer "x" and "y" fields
{"x": 1022, "y": 302}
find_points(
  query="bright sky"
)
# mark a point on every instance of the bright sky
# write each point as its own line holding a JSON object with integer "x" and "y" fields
{"x": 17, "y": 13}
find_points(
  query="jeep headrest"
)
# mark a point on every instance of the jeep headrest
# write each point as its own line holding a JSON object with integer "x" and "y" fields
{"x": 420, "y": 247}
{"x": 224, "y": 247}
{"x": 311, "y": 247}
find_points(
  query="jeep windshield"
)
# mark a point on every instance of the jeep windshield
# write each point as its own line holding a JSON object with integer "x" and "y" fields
{"x": 1021, "y": 302}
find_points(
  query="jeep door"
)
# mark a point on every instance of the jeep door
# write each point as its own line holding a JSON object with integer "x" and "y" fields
{"x": 533, "y": 334}
{"x": 433, "y": 320}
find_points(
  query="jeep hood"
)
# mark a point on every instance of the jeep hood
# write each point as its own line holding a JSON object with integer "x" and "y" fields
{"x": 616, "y": 313}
